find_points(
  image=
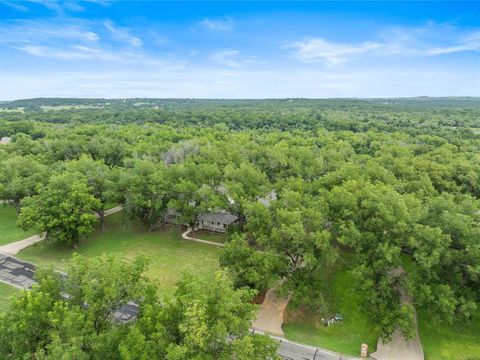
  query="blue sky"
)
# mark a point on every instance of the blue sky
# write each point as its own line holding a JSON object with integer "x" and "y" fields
{"x": 267, "y": 49}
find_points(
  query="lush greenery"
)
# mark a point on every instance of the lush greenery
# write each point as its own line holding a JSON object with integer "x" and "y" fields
{"x": 458, "y": 341}
{"x": 339, "y": 295}
{"x": 9, "y": 232}
{"x": 168, "y": 253}
{"x": 6, "y": 294}
{"x": 73, "y": 317}
{"x": 309, "y": 179}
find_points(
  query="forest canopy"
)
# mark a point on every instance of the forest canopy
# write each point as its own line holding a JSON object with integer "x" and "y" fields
{"x": 390, "y": 181}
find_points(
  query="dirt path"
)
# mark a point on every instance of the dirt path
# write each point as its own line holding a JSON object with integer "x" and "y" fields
{"x": 113, "y": 210}
{"x": 399, "y": 348}
{"x": 270, "y": 317}
{"x": 15, "y": 247}
{"x": 186, "y": 237}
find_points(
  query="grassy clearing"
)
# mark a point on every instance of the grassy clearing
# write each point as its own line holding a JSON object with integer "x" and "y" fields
{"x": 208, "y": 235}
{"x": 449, "y": 342}
{"x": 169, "y": 254}
{"x": 9, "y": 232}
{"x": 341, "y": 297}
{"x": 444, "y": 341}
{"x": 6, "y": 293}
{"x": 69, "y": 107}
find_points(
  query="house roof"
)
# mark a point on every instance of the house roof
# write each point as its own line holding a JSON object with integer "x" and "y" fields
{"x": 266, "y": 200}
{"x": 5, "y": 140}
{"x": 221, "y": 217}
{"x": 173, "y": 212}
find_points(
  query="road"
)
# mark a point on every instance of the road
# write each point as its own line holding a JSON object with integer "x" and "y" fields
{"x": 290, "y": 350}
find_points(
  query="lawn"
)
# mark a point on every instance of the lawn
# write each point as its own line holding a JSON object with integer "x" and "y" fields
{"x": 449, "y": 342}
{"x": 169, "y": 254}
{"x": 208, "y": 235}
{"x": 444, "y": 341}
{"x": 6, "y": 292}
{"x": 9, "y": 232}
{"x": 342, "y": 297}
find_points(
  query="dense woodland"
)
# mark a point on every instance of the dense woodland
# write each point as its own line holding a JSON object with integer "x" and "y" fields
{"x": 391, "y": 181}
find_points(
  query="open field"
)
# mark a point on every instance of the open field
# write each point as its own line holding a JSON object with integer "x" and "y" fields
{"x": 9, "y": 232}
{"x": 169, "y": 254}
{"x": 341, "y": 297}
{"x": 209, "y": 236}
{"x": 449, "y": 342}
{"x": 6, "y": 292}
{"x": 444, "y": 341}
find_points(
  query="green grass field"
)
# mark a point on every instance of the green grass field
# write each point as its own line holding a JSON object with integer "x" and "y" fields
{"x": 169, "y": 254}
{"x": 6, "y": 292}
{"x": 342, "y": 297}
{"x": 208, "y": 235}
{"x": 444, "y": 341}
{"x": 449, "y": 342}
{"x": 9, "y": 232}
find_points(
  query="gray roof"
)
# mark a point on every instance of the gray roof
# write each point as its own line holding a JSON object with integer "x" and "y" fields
{"x": 266, "y": 200}
{"x": 5, "y": 140}
{"x": 221, "y": 217}
{"x": 172, "y": 212}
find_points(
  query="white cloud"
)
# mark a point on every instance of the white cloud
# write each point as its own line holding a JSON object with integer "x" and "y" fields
{"x": 76, "y": 52}
{"x": 233, "y": 58}
{"x": 227, "y": 57}
{"x": 424, "y": 41}
{"x": 59, "y": 6}
{"x": 331, "y": 53}
{"x": 430, "y": 39}
{"x": 223, "y": 24}
{"x": 36, "y": 32}
{"x": 14, "y": 5}
{"x": 122, "y": 34}
{"x": 75, "y": 40}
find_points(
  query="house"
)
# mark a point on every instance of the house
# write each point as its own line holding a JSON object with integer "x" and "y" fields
{"x": 266, "y": 201}
{"x": 172, "y": 216}
{"x": 218, "y": 222}
{"x": 5, "y": 140}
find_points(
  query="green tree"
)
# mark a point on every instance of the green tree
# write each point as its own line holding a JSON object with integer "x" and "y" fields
{"x": 63, "y": 209}
{"x": 72, "y": 317}
{"x": 99, "y": 178}
{"x": 208, "y": 319}
{"x": 19, "y": 178}
{"x": 46, "y": 324}
{"x": 148, "y": 190}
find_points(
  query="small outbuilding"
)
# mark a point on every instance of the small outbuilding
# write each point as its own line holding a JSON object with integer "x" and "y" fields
{"x": 172, "y": 216}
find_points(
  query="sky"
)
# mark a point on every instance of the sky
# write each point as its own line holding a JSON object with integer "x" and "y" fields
{"x": 268, "y": 49}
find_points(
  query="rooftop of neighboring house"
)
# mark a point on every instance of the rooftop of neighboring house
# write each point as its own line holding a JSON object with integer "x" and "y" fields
{"x": 5, "y": 140}
{"x": 220, "y": 217}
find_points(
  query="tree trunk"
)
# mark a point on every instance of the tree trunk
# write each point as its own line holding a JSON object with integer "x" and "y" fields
{"x": 101, "y": 215}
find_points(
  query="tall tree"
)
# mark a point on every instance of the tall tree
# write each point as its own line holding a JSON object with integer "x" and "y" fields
{"x": 99, "y": 178}
{"x": 148, "y": 190}
{"x": 64, "y": 209}
{"x": 19, "y": 178}
{"x": 208, "y": 319}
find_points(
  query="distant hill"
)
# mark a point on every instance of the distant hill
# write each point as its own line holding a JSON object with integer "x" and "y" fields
{"x": 165, "y": 102}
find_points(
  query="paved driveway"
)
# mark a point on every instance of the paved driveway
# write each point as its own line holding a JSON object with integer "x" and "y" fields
{"x": 16, "y": 272}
